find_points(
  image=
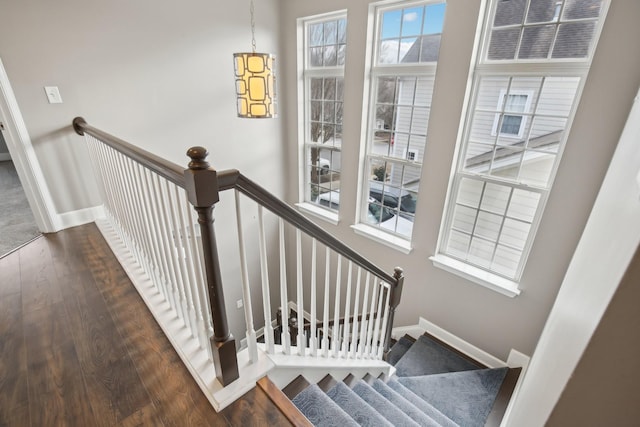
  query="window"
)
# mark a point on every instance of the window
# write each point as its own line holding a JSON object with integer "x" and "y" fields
{"x": 511, "y": 124}
{"x": 405, "y": 54}
{"x": 533, "y": 61}
{"x": 324, "y": 44}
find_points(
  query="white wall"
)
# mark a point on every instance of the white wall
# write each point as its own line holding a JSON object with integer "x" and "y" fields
{"x": 156, "y": 73}
{"x": 489, "y": 320}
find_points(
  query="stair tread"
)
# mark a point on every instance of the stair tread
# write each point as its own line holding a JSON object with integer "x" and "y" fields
{"x": 427, "y": 356}
{"x": 455, "y": 350}
{"x": 466, "y": 397}
{"x": 320, "y": 409}
{"x": 405, "y": 405}
{"x": 356, "y": 407}
{"x": 422, "y": 404}
{"x": 384, "y": 407}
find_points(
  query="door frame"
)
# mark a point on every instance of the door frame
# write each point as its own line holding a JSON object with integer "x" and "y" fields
{"x": 24, "y": 158}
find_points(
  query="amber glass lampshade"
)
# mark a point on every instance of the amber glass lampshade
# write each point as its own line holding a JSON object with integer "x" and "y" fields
{"x": 255, "y": 84}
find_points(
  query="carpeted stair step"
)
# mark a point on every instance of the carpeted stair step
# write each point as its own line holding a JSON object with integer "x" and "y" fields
{"x": 392, "y": 413}
{"x": 424, "y": 406}
{"x": 320, "y": 409}
{"x": 427, "y": 356}
{"x": 356, "y": 407}
{"x": 465, "y": 397}
{"x": 399, "y": 349}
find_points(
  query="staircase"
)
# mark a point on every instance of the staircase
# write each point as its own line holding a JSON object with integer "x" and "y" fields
{"x": 434, "y": 385}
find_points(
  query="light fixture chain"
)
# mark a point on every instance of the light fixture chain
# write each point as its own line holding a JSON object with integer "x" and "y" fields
{"x": 253, "y": 27}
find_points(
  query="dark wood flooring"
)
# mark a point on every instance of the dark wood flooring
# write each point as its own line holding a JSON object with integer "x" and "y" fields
{"x": 78, "y": 346}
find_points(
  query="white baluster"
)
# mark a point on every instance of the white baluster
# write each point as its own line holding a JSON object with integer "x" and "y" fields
{"x": 325, "y": 316}
{"x": 376, "y": 330}
{"x": 266, "y": 293}
{"x": 252, "y": 346}
{"x": 168, "y": 242}
{"x": 385, "y": 319}
{"x": 300, "y": 300}
{"x": 179, "y": 254}
{"x": 336, "y": 310}
{"x": 313, "y": 343}
{"x": 347, "y": 311}
{"x": 284, "y": 303}
{"x": 193, "y": 282}
{"x": 371, "y": 321}
{"x": 354, "y": 334}
{"x": 363, "y": 328}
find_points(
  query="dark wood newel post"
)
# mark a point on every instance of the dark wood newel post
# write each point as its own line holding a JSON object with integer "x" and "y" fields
{"x": 394, "y": 301}
{"x": 201, "y": 183}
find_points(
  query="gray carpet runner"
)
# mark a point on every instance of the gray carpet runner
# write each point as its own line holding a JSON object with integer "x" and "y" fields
{"x": 434, "y": 387}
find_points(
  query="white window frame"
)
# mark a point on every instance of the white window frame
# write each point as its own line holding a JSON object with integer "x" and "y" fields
{"x": 376, "y": 71}
{"x": 499, "y": 117}
{"x": 305, "y": 74}
{"x": 508, "y": 286}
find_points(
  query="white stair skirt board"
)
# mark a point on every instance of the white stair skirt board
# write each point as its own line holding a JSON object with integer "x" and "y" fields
{"x": 288, "y": 367}
{"x": 516, "y": 359}
{"x": 195, "y": 358}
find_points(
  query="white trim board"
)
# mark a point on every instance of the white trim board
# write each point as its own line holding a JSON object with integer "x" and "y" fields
{"x": 80, "y": 217}
{"x": 24, "y": 158}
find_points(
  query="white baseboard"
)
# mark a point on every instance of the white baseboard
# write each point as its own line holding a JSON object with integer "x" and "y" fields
{"x": 79, "y": 217}
{"x": 4, "y": 157}
{"x": 515, "y": 358}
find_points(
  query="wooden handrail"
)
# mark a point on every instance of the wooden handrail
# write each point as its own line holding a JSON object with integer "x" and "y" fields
{"x": 164, "y": 168}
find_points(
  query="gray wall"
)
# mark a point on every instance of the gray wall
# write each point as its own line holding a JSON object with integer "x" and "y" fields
{"x": 489, "y": 320}
{"x": 156, "y": 73}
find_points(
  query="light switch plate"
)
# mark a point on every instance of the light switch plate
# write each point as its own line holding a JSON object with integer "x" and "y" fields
{"x": 53, "y": 94}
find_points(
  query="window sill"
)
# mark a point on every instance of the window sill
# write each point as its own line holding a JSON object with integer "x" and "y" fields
{"x": 484, "y": 278}
{"x": 394, "y": 242}
{"x": 318, "y": 212}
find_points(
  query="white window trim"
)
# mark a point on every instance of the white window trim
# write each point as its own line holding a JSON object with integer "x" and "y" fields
{"x": 373, "y": 71}
{"x": 478, "y": 68}
{"x": 304, "y": 74}
{"x": 524, "y": 114}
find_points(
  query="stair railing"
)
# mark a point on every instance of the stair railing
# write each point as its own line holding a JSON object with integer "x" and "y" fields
{"x": 145, "y": 199}
{"x": 148, "y": 202}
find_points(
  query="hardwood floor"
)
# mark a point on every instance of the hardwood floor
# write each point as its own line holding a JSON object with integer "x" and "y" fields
{"x": 78, "y": 346}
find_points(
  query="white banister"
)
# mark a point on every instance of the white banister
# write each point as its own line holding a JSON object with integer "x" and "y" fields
{"x": 284, "y": 301}
{"x": 325, "y": 315}
{"x": 385, "y": 319}
{"x": 313, "y": 341}
{"x": 365, "y": 321}
{"x": 354, "y": 334}
{"x": 336, "y": 310}
{"x": 299, "y": 294}
{"x": 264, "y": 274}
{"x": 376, "y": 330}
{"x": 347, "y": 311}
{"x": 194, "y": 283}
{"x": 246, "y": 291}
{"x": 371, "y": 321}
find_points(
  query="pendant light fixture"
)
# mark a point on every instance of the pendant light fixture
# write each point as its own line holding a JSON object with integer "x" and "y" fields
{"x": 255, "y": 80}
